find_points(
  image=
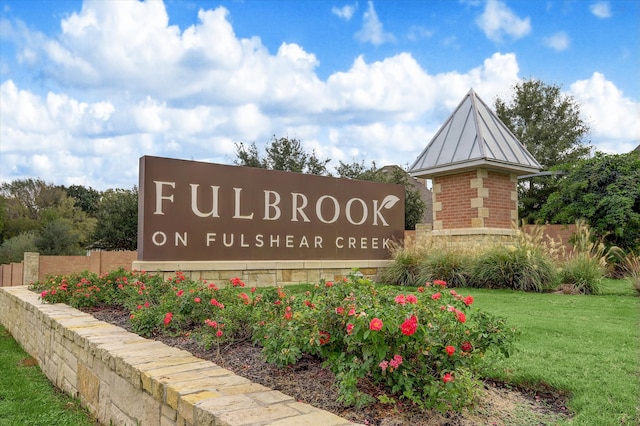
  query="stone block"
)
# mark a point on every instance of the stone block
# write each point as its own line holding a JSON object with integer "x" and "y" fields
{"x": 477, "y": 202}
{"x": 258, "y": 415}
{"x": 88, "y": 385}
{"x": 312, "y": 419}
{"x": 168, "y": 412}
{"x": 477, "y": 222}
{"x": 267, "y": 397}
{"x": 226, "y": 403}
{"x": 187, "y": 403}
{"x": 476, "y": 183}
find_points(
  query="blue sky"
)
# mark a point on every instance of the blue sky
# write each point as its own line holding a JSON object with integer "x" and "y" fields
{"x": 86, "y": 88}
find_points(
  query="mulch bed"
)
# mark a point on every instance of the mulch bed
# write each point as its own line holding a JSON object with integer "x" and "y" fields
{"x": 309, "y": 382}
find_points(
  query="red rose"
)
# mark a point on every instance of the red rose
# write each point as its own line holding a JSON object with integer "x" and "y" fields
{"x": 450, "y": 350}
{"x": 167, "y": 318}
{"x": 409, "y": 326}
{"x": 466, "y": 347}
{"x": 375, "y": 324}
{"x": 447, "y": 378}
{"x": 468, "y": 300}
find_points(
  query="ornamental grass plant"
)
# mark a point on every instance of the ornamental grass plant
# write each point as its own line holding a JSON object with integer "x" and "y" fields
{"x": 631, "y": 266}
{"x": 514, "y": 267}
{"x": 405, "y": 268}
{"x": 587, "y": 263}
{"x": 449, "y": 264}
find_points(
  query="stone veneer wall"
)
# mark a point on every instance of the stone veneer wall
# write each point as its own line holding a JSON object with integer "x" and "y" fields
{"x": 266, "y": 273}
{"x": 124, "y": 379}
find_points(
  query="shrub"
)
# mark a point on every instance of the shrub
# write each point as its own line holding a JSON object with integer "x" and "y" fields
{"x": 517, "y": 268}
{"x": 404, "y": 270}
{"x": 425, "y": 346}
{"x": 587, "y": 264}
{"x": 452, "y": 266}
{"x": 631, "y": 265}
{"x": 12, "y": 249}
{"x": 583, "y": 273}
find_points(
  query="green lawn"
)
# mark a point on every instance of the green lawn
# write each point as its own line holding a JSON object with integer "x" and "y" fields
{"x": 26, "y": 395}
{"x": 588, "y": 346}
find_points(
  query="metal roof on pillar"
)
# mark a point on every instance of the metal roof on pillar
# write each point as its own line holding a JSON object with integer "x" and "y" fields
{"x": 472, "y": 137}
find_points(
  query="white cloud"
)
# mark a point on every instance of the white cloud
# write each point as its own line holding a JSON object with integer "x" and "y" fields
{"x": 417, "y": 32}
{"x": 372, "y": 30}
{"x": 344, "y": 12}
{"x": 558, "y": 41}
{"x": 498, "y": 21}
{"x": 613, "y": 116}
{"x": 195, "y": 99}
{"x": 601, "y": 9}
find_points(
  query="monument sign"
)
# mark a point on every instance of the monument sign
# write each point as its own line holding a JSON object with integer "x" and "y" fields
{"x": 196, "y": 211}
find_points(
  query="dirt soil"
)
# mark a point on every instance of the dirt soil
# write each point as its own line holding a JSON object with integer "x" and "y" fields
{"x": 309, "y": 382}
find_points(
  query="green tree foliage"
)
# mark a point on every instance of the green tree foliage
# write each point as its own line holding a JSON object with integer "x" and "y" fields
{"x": 414, "y": 206}
{"x": 32, "y": 205}
{"x": 117, "y": 215}
{"x": 288, "y": 155}
{"x": 85, "y": 198}
{"x": 12, "y": 249}
{"x": 548, "y": 123}
{"x": 58, "y": 237}
{"x": 282, "y": 154}
{"x": 605, "y": 192}
{"x": 23, "y": 203}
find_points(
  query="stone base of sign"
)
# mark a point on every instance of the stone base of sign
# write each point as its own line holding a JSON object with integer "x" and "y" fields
{"x": 466, "y": 238}
{"x": 266, "y": 273}
{"x": 124, "y": 379}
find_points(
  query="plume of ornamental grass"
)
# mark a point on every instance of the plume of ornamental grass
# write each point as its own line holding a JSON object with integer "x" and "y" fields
{"x": 631, "y": 266}
{"x": 587, "y": 265}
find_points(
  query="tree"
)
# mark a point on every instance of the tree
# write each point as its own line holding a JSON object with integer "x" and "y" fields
{"x": 23, "y": 202}
{"x": 288, "y": 155}
{"x": 548, "y": 123}
{"x": 282, "y": 154}
{"x": 117, "y": 215}
{"x": 32, "y": 204}
{"x": 85, "y": 198}
{"x": 12, "y": 249}
{"x": 605, "y": 192}
{"x": 414, "y": 206}
{"x": 58, "y": 237}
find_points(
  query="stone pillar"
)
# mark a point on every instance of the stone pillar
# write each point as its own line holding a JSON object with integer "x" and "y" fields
{"x": 474, "y": 199}
{"x": 30, "y": 268}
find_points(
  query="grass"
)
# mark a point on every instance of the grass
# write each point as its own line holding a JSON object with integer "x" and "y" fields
{"x": 587, "y": 346}
{"x": 26, "y": 395}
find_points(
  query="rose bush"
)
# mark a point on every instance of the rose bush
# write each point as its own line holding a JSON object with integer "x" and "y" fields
{"x": 423, "y": 346}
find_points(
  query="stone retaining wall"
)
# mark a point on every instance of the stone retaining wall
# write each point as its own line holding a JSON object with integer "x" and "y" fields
{"x": 124, "y": 379}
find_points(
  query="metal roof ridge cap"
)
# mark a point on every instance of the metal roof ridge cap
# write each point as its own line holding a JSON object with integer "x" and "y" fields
{"x": 474, "y": 109}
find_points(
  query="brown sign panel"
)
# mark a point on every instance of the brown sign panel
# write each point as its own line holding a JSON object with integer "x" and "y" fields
{"x": 192, "y": 210}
